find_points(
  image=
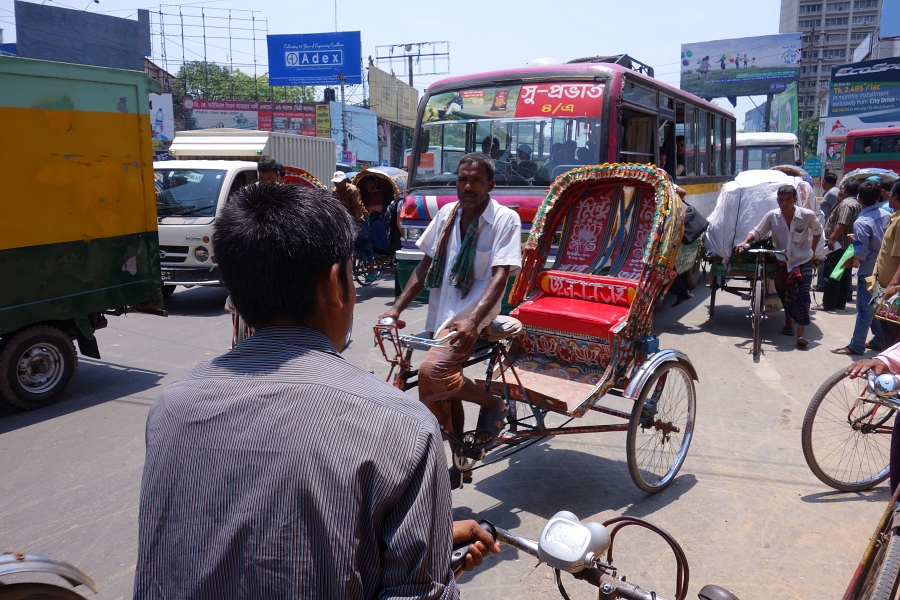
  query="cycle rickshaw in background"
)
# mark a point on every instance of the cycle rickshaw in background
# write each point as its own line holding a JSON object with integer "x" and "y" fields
{"x": 582, "y": 328}
{"x": 389, "y": 184}
{"x": 865, "y": 173}
{"x": 741, "y": 206}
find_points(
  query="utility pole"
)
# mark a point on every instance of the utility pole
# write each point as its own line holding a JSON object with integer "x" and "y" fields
{"x": 343, "y": 113}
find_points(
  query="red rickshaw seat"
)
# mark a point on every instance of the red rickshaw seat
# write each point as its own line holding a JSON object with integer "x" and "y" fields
{"x": 571, "y": 315}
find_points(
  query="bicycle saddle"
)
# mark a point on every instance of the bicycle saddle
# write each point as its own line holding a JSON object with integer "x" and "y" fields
{"x": 714, "y": 592}
{"x": 502, "y": 328}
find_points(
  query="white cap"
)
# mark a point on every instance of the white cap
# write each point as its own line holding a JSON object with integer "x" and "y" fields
{"x": 339, "y": 176}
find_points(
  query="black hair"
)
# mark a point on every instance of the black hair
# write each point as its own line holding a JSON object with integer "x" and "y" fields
{"x": 273, "y": 243}
{"x": 269, "y": 165}
{"x": 787, "y": 189}
{"x": 896, "y": 189}
{"x": 830, "y": 178}
{"x": 851, "y": 188}
{"x": 679, "y": 138}
{"x": 478, "y": 158}
{"x": 869, "y": 193}
{"x": 886, "y": 185}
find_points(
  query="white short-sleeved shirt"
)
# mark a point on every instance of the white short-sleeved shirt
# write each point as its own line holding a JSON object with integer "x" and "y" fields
{"x": 796, "y": 239}
{"x": 499, "y": 244}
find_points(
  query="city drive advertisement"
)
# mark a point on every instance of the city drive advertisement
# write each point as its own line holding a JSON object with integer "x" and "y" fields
{"x": 864, "y": 95}
{"x": 765, "y": 64}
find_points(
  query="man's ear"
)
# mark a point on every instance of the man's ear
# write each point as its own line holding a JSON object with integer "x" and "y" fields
{"x": 335, "y": 285}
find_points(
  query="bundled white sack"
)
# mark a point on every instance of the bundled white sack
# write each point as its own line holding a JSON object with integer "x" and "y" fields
{"x": 744, "y": 202}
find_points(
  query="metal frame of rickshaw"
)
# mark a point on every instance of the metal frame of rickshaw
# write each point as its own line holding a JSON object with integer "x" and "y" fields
{"x": 627, "y": 378}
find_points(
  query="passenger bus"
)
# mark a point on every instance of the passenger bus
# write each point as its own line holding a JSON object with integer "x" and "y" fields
{"x": 766, "y": 150}
{"x": 873, "y": 148}
{"x": 540, "y": 121}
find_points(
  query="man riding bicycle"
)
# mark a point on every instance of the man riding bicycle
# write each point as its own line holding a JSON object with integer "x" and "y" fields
{"x": 472, "y": 247}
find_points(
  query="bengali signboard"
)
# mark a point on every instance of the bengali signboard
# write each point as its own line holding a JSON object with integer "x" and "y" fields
{"x": 323, "y": 121}
{"x": 315, "y": 58}
{"x": 575, "y": 99}
{"x": 741, "y": 66}
{"x": 299, "y": 118}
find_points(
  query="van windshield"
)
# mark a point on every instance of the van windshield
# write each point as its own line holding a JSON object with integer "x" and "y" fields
{"x": 765, "y": 157}
{"x": 187, "y": 192}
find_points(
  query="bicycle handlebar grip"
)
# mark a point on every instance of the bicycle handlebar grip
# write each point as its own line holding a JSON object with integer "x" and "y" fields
{"x": 387, "y": 321}
{"x": 458, "y": 557}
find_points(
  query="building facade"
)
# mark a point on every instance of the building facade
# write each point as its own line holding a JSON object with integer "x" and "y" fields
{"x": 832, "y": 30}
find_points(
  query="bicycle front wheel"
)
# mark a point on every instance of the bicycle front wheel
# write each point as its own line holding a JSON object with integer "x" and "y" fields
{"x": 757, "y": 314}
{"x": 661, "y": 427}
{"x": 846, "y": 435}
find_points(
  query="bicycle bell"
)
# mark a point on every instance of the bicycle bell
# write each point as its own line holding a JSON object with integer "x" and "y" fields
{"x": 570, "y": 545}
{"x": 886, "y": 386}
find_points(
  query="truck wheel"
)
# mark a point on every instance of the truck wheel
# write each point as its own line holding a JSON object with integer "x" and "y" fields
{"x": 36, "y": 366}
{"x": 168, "y": 290}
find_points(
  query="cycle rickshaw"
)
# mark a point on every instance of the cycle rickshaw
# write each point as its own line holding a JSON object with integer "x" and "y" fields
{"x": 390, "y": 184}
{"x": 582, "y": 328}
{"x": 741, "y": 206}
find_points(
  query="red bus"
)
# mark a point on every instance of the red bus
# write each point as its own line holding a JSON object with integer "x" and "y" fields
{"x": 873, "y": 148}
{"x": 540, "y": 121}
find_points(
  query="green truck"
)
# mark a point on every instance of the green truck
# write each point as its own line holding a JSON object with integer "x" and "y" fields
{"x": 78, "y": 236}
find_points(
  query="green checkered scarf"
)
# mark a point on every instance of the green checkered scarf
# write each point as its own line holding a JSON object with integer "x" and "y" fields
{"x": 462, "y": 271}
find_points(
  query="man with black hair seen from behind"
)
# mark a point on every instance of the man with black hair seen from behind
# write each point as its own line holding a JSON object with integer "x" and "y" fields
{"x": 270, "y": 170}
{"x": 279, "y": 469}
{"x": 829, "y": 186}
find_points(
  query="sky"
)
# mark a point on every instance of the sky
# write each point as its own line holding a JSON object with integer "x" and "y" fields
{"x": 482, "y": 36}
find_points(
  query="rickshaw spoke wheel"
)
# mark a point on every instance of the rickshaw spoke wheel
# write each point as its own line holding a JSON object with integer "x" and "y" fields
{"x": 841, "y": 441}
{"x": 661, "y": 427}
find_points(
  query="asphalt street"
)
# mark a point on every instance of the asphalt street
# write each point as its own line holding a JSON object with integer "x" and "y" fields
{"x": 745, "y": 507}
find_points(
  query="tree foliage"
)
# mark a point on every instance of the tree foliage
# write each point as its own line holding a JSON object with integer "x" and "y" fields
{"x": 809, "y": 137}
{"x": 210, "y": 81}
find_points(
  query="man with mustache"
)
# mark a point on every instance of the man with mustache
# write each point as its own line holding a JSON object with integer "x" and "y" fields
{"x": 472, "y": 247}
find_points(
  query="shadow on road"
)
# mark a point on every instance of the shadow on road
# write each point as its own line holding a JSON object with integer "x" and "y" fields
{"x": 95, "y": 383}
{"x": 877, "y": 495}
{"x": 200, "y": 301}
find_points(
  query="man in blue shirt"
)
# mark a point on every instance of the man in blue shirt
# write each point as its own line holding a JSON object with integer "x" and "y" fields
{"x": 868, "y": 230}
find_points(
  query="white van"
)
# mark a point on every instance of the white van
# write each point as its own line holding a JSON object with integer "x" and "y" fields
{"x": 189, "y": 196}
{"x": 757, "y": 151}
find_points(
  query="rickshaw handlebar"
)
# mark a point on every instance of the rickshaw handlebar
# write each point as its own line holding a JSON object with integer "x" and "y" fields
{"x": 418, "y": 340}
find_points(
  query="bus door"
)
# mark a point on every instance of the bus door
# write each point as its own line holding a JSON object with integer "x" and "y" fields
{"x": 666, "y": 134}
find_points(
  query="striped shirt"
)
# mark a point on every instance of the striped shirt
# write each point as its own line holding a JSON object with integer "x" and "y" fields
{"x": 280, "y": 470}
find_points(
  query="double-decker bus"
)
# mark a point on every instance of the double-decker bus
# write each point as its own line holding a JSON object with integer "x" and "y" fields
{"x": 873, "y": 148}
{"x": 538, "y": 122}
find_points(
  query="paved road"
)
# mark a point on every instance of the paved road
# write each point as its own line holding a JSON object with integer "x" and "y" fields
{"x": 745, "y": 507}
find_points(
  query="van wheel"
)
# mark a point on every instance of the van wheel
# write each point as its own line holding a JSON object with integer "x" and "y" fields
{"x": 692, "y": 277}
{"x": 168, "y": 290}
{"x": 37, "y": 365}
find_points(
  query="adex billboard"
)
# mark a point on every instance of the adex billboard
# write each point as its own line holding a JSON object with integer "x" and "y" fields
{"x": 863, "y": 95}
{"x": 315, "y": 58}
{"x": 750, "y": 66}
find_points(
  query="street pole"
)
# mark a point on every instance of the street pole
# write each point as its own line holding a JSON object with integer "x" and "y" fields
{"x": 410, "y": 69}
{"x": 343, "y": 113}
{"x": 769, "y": 99}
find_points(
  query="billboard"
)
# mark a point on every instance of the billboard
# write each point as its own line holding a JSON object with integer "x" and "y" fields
{"x": 162, "y": 117}
{"x": 391, "y": 99}
{"x": 315, "y": 58}
{"x": 783, "y": 117}
{"x": 84, "y": 38}
{"x": 890, "y": 20}
{"x": 233, "y": 114}
{"x": 755, "y": 119}
{"x": 749, "y": 66}
{"x": 863, "y": 95}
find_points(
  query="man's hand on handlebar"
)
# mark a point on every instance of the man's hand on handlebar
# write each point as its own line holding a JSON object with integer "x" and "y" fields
{"x": 394, "y": 314}
{"x": 484, "y": 544}
{"x": 861, "y": 367}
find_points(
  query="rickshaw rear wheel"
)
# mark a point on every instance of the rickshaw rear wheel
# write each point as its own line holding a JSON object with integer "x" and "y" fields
{"x": 757, "y": 314}
{"x": 661, "y": 427}
{"x": 713, "y": 286}
{"x": 37, "y": 591}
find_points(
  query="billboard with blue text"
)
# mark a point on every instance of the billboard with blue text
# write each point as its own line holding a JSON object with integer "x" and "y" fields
{"x": 315, "y": 58}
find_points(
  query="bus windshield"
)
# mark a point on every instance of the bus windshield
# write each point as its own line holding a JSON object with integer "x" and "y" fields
{"x": 533, "y": 132}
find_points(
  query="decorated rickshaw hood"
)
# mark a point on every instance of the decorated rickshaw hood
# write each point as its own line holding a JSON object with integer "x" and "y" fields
{"x": 396, "y": 177}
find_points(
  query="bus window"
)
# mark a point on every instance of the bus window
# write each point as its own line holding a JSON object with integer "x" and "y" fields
{"x": 729, "y": 145}
{"x": 690, "y": 141}
{"x": 637, "y": 145}
{"x": 703, "y": 142}
{"x": 717, "y": 147}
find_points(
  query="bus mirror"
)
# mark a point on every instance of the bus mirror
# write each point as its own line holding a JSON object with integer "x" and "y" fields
{"x": 424, "y": 141}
